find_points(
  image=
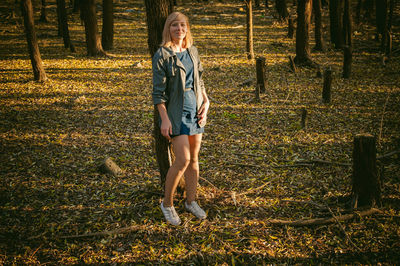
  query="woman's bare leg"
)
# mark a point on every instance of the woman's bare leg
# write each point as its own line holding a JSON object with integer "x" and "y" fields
{"x": 181, "y": 149}
{"x": 192, "y": 170}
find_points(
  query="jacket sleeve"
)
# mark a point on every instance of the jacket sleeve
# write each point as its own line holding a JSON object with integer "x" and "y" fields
{"x": 159, "y": 81}
{"x": 200, "y": 68}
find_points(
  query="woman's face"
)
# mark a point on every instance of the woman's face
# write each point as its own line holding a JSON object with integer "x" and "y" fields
{"x": 178, "y": 30}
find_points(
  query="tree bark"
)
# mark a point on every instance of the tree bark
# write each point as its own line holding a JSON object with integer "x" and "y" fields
{"x": 326, "y": 91}
{"x": 88, "y": 15}
{"x": 290, "y": 28}
{"x": 107, "y": 34}
{"x": 260, "y": 70}
{"x": 157, "y": 12}
{"x": 302, "y": 33}
{"x": 347, "y": 61}
{"x": 43, "y": 13}
{"x": 336, "y": 27}
{"x": 366, "y": 182}
{"x": 249, "y": 20}
{"x": 319, "y": 45}
{"x": 281, "y": 8}
{"x": 33, "y": 48}
{"x": 63, "y": 20}
{"x": 347, "y": 24}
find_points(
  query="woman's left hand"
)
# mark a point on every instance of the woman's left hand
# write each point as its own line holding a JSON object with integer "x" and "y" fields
{"x": 202, "y": 113}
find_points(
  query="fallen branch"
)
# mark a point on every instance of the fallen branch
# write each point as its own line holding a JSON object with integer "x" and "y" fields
{"x": 257, "y": 188}
{"x": 320, "y": 221}
{"x": 118, "y": 231}
{"x": 343, "y": 229}
{"x": 387, "y": 155}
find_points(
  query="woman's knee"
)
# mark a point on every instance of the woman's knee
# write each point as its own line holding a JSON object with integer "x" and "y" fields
{"x": 182, "y": 162}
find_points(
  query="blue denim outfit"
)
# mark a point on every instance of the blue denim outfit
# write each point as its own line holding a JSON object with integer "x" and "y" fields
{"x": 189, "y": 125}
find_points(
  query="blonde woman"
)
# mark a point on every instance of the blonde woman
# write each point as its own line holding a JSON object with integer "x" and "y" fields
{"x": 182, "y": 102}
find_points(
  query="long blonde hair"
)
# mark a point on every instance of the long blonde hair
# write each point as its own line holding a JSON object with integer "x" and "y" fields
{"x": 166, "y": 35}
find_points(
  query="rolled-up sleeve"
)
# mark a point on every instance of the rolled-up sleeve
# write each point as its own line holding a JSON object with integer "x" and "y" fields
{"x": 159, "y": 81}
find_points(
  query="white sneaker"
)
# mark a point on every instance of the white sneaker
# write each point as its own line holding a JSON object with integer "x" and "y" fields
{"x": 170, "y": 215}
{"x": 196, "y": 210}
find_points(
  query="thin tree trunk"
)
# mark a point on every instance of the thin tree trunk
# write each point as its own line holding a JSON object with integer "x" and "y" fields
{"x": 88, "y": 15}
{"x": 302, "y": 33}
{"x": 281, "y": 8}
{"x": 107, "y": 34}
{"x": 62, "y": 12}
{"x": 34, "y": 53}
{"x": 249, "y": 20}
{"x": 319, "y": 45}
{"x": 336, "y": 27}
{"x": 347, "y": 24}
{"x": 43, "y": 13}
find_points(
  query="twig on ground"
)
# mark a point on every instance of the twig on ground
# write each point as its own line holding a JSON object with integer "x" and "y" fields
{"x": 123, "y": 230}
{"x": 257, "y": 188}
{"x": 319, "y": 221}
{"x": 343, "y": 229}
{"x": 387, "y": 155}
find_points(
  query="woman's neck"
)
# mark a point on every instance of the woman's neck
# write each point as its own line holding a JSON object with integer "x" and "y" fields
{"x": 177, "y": 46}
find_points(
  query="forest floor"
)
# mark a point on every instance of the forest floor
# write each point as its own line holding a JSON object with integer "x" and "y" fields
{"x": 257, "y": 163}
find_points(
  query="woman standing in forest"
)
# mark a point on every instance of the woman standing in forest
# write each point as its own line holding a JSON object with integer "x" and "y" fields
{"x": 182, "y": 102}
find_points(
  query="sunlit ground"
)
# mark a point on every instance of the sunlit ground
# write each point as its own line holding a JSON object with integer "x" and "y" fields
{"x": 53, "y": 135}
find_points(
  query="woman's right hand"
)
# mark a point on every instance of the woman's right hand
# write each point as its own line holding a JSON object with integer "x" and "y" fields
{"x": 166, "y": 128}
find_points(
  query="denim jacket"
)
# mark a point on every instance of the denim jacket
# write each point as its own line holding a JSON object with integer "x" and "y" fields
{"x": 169, "y": 76}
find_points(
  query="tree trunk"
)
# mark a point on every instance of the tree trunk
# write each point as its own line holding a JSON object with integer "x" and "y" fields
{"x": 43, "y": 13}
{"x": 381, "y": 22}
{"x": 326, "y": 91}
{"x": 62, "y": 13}
{"x": 75, "y": 9}
{"x": 34, "y": 53}
{"x": 107, "y": 34}
{"x": 266, "y": 5}
{"x": 347, "y": 61}
{"x": 319, "y": 45}
{"x": 368, "y": 8}
{"x": 290, "y": 28}
{"x": 366, "y": 182}
{"x": 358, "y": 11}
{"x": 336, "y": 27}
{"x": 88, "y": 15}
{"x": 347, "y": 24}
{"x": 157, "y": 12}
{"x": 249, "y": 20}
{"x": 260, "y": 70}
{"x": 302, "y": 33}
{"x": 281, "y": 8}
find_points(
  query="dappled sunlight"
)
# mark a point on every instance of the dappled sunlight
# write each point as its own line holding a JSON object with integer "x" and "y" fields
{"x": 257, "y": 161}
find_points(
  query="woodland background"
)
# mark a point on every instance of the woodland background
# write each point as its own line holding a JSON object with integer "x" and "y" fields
{"x": 257, "y": 162}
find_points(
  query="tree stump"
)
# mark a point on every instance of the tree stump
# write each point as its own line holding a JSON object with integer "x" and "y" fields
{"x": 260, "y": 67}
{"x": 108, "y": 166}
{"x": 257, "y": 92}
{"x": 366, "y": 181}
{"x": 347, "y": 61}
{"x": 326, "y": 92}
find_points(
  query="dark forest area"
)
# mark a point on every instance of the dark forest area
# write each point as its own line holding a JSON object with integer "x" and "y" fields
{"x": 300, "y": 158}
